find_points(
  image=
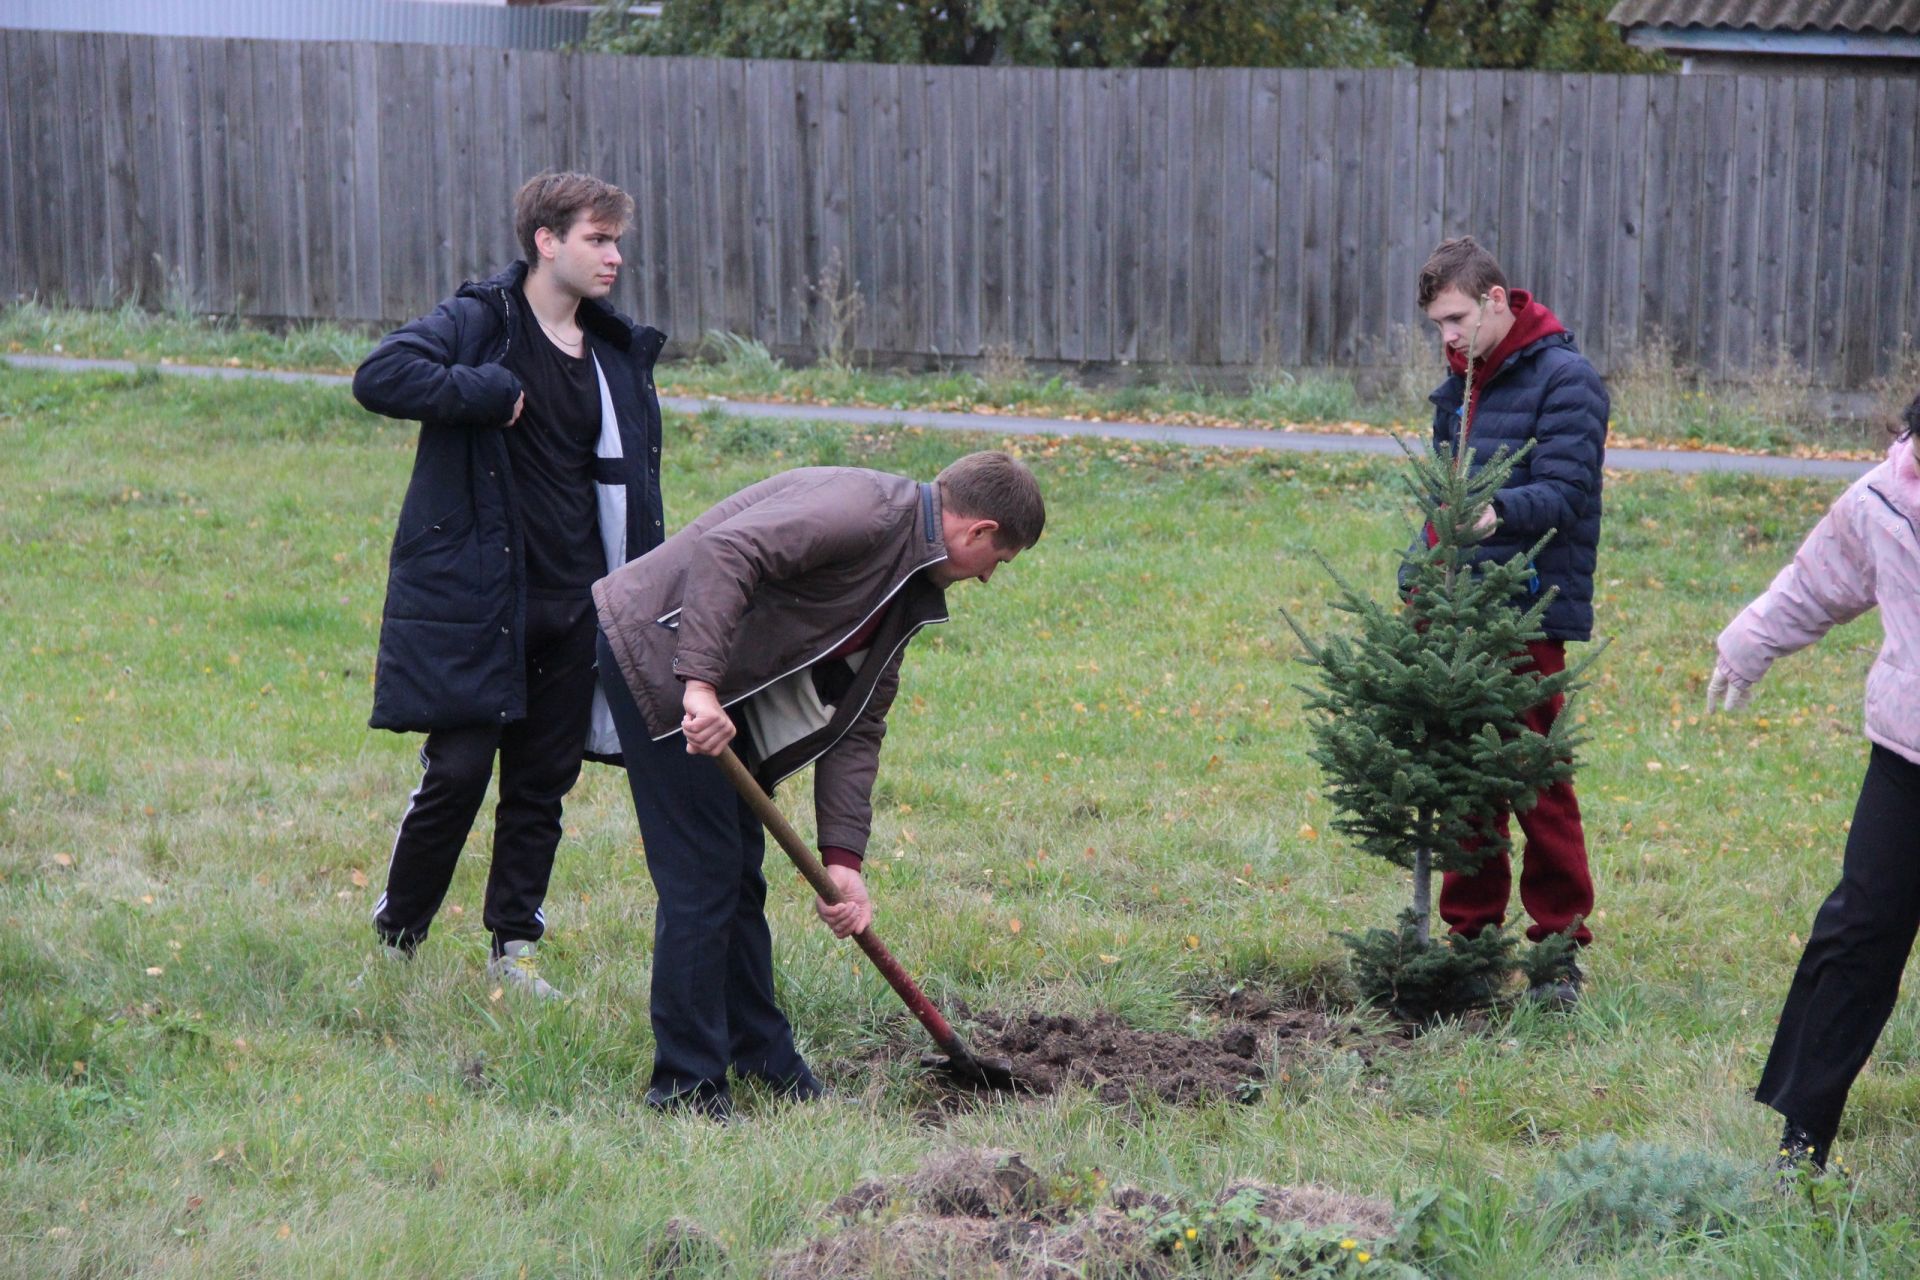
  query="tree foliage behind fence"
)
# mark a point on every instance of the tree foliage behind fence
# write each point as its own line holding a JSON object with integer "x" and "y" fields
{"x": 1190, "y": 218}
{"x": 1546, "y": 35}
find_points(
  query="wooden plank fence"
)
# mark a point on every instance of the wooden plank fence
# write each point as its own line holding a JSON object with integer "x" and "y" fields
{"x": 1213, "y": 219}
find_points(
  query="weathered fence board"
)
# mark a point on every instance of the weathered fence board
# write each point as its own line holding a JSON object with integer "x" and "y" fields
{"x": 1241, "y": 219}
{"x": 1894, "y": 286}
{"x": 1837, "y": 168}
{"x": 1864, "y": 248}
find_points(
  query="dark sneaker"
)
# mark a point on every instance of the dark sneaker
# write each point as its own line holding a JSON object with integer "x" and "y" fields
{"x": 1562, "y": 992}
{"x": 1801, "y": 1155}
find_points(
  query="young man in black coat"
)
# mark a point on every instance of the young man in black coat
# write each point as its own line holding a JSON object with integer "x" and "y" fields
{"x": 537, "y": 472}
{"x": 1530, "y": 384}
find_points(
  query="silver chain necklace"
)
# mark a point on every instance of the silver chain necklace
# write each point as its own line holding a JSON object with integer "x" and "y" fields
{"x": 574, "y": 348}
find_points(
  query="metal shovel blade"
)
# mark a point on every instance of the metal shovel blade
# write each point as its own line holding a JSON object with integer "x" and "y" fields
{"x": 970, "y": 1068}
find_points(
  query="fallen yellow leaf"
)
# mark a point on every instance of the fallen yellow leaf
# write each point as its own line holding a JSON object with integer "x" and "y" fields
{"x": 359, "y": 878}
{"x": 63, "y": 859}
{"x": 1307, "y": 832}
{"x": 1013, "y": 925}
{"x": 1107, "y": 959}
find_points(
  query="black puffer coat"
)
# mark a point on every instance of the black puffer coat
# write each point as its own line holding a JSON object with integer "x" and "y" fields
{"x": 1548, "y": 393}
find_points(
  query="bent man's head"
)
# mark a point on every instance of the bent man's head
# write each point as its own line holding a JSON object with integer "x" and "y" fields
{"x": 990, "y": 511}
{"x": 568, "y": 225}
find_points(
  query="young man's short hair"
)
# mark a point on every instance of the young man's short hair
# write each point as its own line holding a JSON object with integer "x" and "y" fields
{"x": 1462, "y": 264}
{"x": 992, "y": 485}
{"x": 556, "y": 201}
{"x": 1910, "y": 419}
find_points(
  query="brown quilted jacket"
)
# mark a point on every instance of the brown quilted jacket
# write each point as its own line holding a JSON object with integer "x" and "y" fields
{"x": 769, "y": 582}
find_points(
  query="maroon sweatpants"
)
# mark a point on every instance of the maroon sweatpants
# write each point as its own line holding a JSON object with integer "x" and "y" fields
{"x": 1555, "y": 885}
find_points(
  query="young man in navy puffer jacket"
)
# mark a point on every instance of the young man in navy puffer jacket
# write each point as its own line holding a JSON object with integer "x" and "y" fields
{"x": 1530, "y": 383}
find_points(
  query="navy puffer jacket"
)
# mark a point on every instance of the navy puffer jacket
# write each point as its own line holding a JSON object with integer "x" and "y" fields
{"x": 1548, "y": 393}
{"x": 452, "y": 633}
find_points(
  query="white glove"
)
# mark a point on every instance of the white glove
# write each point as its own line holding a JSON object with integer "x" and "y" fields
{"x": 1727, "y": 691}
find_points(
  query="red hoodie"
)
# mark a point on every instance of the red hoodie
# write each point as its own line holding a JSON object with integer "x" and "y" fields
{"x": 1531, "y": 322}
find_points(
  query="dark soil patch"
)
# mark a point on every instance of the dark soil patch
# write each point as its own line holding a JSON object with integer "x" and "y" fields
{"x": 1122, "y": 1064}
{"x": 1116, "y": 1062}
{"x": 986, "y": 1213}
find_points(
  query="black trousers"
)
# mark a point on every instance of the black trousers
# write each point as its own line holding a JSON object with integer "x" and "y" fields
{"x": 712, "y": 1001}
{"x": 1849, "y": 975}
{"x": 539, "y": 763}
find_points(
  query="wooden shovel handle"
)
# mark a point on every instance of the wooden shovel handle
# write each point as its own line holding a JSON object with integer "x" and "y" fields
{"x": 773, "y": 820}
{"x": 816, "y": 875}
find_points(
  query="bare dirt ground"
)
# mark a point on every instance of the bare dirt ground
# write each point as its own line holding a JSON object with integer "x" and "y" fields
{"x": 985, "y": 1214}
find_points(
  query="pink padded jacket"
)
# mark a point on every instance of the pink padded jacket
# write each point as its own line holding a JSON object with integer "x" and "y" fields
{"x": 1864, "y": 552}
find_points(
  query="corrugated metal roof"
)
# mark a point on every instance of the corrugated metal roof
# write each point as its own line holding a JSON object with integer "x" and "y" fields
{"x": 394, "y": 21}
{"x": 1893, "y": 17}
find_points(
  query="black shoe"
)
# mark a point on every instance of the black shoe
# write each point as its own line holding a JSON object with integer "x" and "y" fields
{"x": 701, "y": 1100}
{"x": 804, "y": 1087}
{"x": 798, "y": 1089}
{"x": 1561, "y": 993}
{"x": 1799, "y": 1150}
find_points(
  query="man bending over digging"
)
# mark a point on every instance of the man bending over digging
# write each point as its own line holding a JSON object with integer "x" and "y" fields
{"x": 775, "y": 622}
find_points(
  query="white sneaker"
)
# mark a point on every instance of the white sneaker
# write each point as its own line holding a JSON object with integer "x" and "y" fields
{"x": 389, "y": 955}
{"x": 519, "y": 969}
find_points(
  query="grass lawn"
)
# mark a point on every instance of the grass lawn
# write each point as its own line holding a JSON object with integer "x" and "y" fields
{"x": 1656, "y": 400}
{"x": 1095, "y": 795}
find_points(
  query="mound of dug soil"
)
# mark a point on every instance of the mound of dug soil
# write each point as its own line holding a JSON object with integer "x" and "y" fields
{"x": 985, "y": 1214}
{"x": 1107, "y": 1056}
{"x": 1120, "y": 1063}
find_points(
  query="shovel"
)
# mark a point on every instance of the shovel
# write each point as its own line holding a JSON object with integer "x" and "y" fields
{"x": 960, "y": 1061}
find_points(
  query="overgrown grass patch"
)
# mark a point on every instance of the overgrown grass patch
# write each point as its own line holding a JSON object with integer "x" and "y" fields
{"x": 1096, "y": 795}
{"x": 1657, "y": 399}
{"x": 181, "y": 334}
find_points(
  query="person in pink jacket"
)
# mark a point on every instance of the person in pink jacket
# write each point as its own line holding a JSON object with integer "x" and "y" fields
{"x": 1864, "y": 552}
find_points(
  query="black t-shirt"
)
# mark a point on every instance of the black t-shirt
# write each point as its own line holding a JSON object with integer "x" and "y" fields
{"x": 552, "y": 449}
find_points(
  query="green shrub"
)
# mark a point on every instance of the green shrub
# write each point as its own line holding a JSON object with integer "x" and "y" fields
{"x": 1624, "y": 1191}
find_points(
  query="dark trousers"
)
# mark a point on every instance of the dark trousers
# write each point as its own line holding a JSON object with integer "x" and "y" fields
{"x": 1556, "y": 886}
{"x": 712, "y": 1002}
{"x": 1849, "y": 975}
{"x": 539, "y": 763}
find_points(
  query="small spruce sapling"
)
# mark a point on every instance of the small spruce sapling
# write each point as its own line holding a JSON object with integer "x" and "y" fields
{"x": 1417, "y": 729}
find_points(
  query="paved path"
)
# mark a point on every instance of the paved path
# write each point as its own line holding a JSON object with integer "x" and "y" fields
{"x": 1006, "y": 424}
